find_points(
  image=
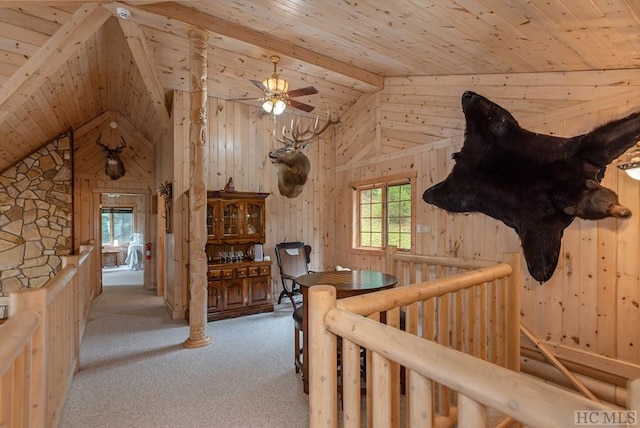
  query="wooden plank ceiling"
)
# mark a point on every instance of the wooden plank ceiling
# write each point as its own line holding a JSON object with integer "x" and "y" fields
{"x": 65, "y": 63}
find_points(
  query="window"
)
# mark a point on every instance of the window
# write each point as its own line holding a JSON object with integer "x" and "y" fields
{"x": 117, "y": 225}
{"x": 384, "y": 213}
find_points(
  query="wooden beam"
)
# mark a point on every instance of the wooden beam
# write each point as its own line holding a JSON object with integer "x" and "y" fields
{"x": 557, "y": 364}
{"x": 365, "y": 81}
{"x": 19, "y": 87}
{"x": 60, "y": 3}
{"x": 137, "y": 43}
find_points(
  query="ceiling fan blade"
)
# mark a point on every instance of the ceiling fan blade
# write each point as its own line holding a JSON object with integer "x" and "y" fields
{"x": 260, "y": 86}
{"x": 245, "y": 99}
{"x": 300, "y": 106}
{"x": 309, "y": 90}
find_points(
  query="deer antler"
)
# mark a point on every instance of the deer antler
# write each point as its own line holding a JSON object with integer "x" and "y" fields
{"x": 297, "y": 138}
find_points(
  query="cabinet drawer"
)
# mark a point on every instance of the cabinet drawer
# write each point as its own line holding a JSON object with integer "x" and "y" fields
{"x": 241, "y": 272}
{"x": 265, "y": 270}
{"x": 254, "y": 270}
{"x": 227, "y": 273}
{"x": 215, "y": 273}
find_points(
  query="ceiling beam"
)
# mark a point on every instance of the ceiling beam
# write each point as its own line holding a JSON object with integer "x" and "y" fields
{"x": 21, "y": 85}
{"x": 363, "y": 80}
{"x": 137, "y": 43}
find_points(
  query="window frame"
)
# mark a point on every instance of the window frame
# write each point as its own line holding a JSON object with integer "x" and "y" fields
{"x": 381, "y": 182}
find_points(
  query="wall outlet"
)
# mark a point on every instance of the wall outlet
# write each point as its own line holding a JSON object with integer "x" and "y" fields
{"x": 423, "y": 228}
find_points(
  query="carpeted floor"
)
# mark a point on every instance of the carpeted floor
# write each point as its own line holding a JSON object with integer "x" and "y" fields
{"x": 134, "y": 371}
{"x": 122, "y": 275}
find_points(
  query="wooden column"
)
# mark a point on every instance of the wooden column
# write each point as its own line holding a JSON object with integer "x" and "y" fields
{"x": 198, "y": 190}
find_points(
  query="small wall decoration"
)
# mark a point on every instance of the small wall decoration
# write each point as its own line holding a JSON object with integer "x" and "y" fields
{"x": 165, "y": 189}
{"x": 534, "y": 183}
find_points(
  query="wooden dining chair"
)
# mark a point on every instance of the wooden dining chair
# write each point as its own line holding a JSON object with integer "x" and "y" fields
{"x": 293, "y": 260}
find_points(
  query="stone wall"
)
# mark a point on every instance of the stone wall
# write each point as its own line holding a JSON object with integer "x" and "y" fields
{"x": 36, "y": 224}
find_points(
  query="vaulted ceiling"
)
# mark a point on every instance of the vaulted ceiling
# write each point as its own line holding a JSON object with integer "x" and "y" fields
{"x": 65, "y": 63}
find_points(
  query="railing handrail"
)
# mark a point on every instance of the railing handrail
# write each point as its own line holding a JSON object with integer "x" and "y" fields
{"x": 366, "y": 304}
{"x": 14, "y": 335}
{"x": 489, "y": 384}
{"x": 41, "y": 341}
{"x": 449, "y": 262}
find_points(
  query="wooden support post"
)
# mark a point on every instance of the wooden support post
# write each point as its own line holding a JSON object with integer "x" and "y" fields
{"x": 323, "y": 382}
{"x": 198, "y": 190}
{"x": 35, "y": 299}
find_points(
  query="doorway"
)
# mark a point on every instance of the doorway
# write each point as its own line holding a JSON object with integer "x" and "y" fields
{"x": 123, "y": 223}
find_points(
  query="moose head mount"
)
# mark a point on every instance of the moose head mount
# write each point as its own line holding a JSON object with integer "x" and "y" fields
{"x": 113, "y": 167}
{"x": 292, "y": 164}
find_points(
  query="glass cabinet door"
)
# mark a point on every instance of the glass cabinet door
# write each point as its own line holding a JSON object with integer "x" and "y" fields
{"x": 231, "y": 219}
{"x": 211, "y": 220}
{"x": 254, "y": 219}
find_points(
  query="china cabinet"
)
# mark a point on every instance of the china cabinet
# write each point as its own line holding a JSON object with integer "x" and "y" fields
{"x": 237, "y": 285}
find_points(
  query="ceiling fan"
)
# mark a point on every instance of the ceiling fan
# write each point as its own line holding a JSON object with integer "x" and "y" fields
{"x": 276, "y": 95}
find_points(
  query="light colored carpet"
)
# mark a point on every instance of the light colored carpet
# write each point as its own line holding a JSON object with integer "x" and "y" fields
{"x": 134, "y": 371}
{"x": 122, "y": 275}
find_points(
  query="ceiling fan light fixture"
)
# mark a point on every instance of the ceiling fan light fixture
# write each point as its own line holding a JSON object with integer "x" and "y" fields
{"x": 276, "y": 85}
{"x": 275, "y": 105}
{"x": 279, "y": 107}
{"x": 267, "y": 106}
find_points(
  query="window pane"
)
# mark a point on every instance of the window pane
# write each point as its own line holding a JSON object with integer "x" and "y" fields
{"x": 376, "y": 195}
{"x": 106, "y": 228}
{"x": 365, "y": 239}
{"x": 393, "y": 193}
{"x": 376, "y": 240}
{"x": 122, "y": 227}
{"x": 393, "y": 209}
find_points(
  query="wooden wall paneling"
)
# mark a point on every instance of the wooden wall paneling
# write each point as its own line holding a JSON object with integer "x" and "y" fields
{"x": 214, "y": 108}
{"x": 606, "y": 279}
{"x": 587, "y": 281}
{"x": 584, "y": 304}
{"x": 628, "y": 310}
{"x": 240, "y": 156}
{"x": 89, "y": 66}
{"x": 251, "y": 150}
{"x": 227, "y": 142}
{"x": 34, "y": 112}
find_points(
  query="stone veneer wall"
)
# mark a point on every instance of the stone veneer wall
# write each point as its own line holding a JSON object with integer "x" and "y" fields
{"x": 36, "y": 218}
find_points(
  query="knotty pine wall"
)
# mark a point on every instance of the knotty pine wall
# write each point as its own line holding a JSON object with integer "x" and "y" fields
{"x": 239, "y": 140}
{"x": 416, "y": 123}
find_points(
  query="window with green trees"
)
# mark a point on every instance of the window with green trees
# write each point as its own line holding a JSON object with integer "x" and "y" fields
{"x": 384, "y": 214}
{"x": 117, "y": 225}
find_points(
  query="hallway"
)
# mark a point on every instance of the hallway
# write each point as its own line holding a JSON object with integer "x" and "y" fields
{"x": 134, "y": 371}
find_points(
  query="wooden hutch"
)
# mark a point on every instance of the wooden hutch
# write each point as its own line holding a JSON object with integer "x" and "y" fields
{"x": 237, "y": 284}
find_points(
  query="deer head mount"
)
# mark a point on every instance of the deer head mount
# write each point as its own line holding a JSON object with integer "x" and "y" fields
{"x": 113, "y": 167}
{"x": 292, "y": 164}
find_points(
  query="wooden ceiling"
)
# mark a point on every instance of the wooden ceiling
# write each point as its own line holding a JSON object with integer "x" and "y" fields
{"x": 65, "y": 63}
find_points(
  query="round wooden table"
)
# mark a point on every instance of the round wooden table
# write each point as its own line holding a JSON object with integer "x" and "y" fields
{"x": 347, "y": 284}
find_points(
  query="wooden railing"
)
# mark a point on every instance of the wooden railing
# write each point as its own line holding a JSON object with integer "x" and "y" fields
{"x": 40, "y": 344}
{"x": 458, "y": 348}
{"x": 468, "y": 305}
